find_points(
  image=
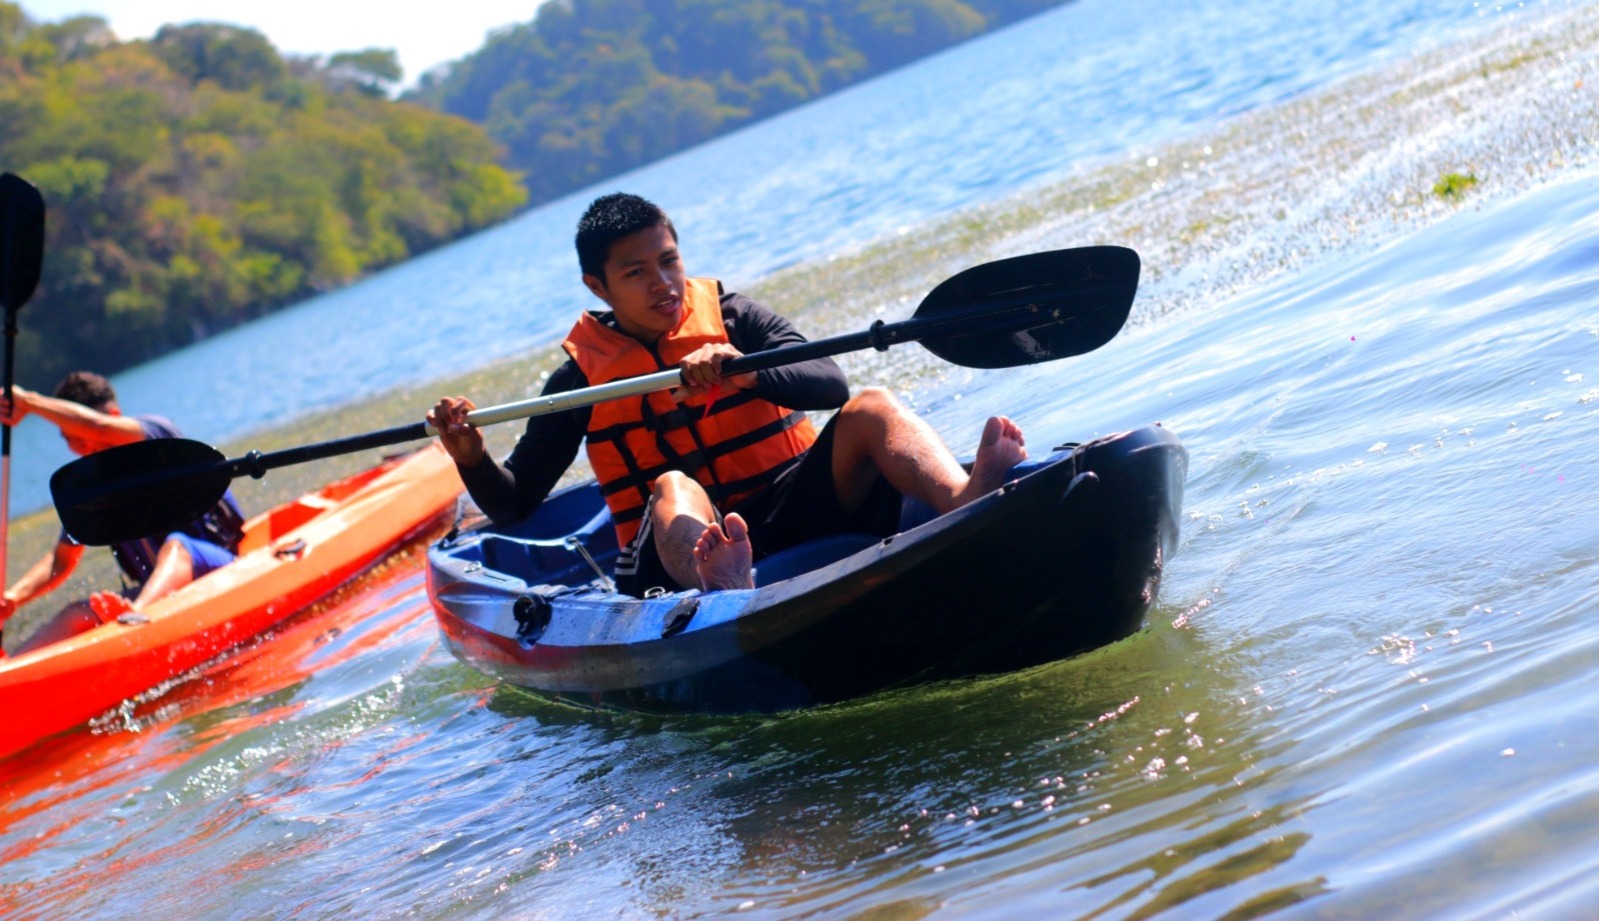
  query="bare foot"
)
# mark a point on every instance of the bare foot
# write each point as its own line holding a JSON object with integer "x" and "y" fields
{"x": 722, "y": 559}
{"x": 1001, "y": 448}
{"x": 108, "y": 606}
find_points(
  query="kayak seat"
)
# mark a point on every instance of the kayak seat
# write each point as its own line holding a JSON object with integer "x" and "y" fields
{"x": 549, "y": 560}
{"x": 913, "y": 513}
{"x": 265, "y": 528}
{"x": 786, "y": 564}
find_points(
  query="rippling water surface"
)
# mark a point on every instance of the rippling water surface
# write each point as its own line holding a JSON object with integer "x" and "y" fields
{"x": 1368, "y": 690}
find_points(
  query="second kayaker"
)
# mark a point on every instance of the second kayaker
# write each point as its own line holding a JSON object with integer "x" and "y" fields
{"x": 85, "y": 409}
{"x": 705, "y": 480}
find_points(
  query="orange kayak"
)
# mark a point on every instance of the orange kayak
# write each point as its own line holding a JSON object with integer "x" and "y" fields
{"x": 291, "y": 556}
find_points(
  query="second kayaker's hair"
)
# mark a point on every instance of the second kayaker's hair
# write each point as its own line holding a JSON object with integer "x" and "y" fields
{"x": 610, "y": 218}
{"x": 86, "y": 388}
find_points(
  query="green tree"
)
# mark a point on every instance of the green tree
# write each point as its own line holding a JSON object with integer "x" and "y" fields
{"x": 374, "y": 71}
{"x": 236, "y": 58}
{"x": 198, "y": 179}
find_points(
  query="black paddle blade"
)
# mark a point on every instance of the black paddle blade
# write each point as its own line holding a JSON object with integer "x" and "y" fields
{"x": 21, "y": 240}
{"x": 1044, "y": 306}
{"x": 138, "y": 490}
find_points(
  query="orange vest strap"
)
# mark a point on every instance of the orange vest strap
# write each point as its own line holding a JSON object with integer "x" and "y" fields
{"x": 732, "y": 448}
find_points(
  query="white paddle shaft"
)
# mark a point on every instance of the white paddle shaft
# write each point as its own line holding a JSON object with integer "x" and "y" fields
{"x": 572, "y": 399}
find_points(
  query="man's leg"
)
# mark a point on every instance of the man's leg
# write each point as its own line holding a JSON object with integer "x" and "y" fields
{"x": 874, "y": 435}
{"x": 683, "y": 520}
{"x": 72, "y": 620}
{"x": 174, "y": 568}
{"x": 877, "y": 435}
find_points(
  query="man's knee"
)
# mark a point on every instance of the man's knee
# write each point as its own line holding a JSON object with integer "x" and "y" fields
{"x": 677, "y": 493}
{"x": 673, "y": 485}
{"x": 872, "y": 403}
{"x": 175, "y": 552}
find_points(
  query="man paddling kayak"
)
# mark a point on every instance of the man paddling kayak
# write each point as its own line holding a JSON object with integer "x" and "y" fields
{"x": 85, "y": 409}
{"x": 705, "y": 480}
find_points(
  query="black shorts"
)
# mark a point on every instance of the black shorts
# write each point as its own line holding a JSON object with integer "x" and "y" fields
{"x": 800, "y": 505}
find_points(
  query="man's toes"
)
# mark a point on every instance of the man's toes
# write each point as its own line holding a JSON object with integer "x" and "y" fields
{"x": 1014, "y": 431}
{"x": 993, "y": 429}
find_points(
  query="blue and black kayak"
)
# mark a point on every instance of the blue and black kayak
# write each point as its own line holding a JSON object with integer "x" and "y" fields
{"x": 1067, "y": 556}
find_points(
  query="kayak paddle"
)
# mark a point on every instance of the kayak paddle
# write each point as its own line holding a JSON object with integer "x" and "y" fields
{"x": 1012, "y": 312}
{"x": 21, "y": 259}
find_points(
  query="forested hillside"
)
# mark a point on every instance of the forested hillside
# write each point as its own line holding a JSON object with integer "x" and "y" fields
{"x": 592, "y": 88}
{"x": 199, "y": 179}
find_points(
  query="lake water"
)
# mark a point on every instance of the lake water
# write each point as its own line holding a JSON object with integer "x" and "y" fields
{"x": 1368, "y": 689}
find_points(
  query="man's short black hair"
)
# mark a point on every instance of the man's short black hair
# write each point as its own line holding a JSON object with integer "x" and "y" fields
{"x": 86, "y": 388}
{"x": 610, "y": 218}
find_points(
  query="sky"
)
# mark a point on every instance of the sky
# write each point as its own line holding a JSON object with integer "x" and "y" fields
{"x": 422, "y": 39}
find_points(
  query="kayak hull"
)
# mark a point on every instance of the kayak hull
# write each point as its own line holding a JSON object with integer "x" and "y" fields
{"x": 291, "y": 556}
{"x": 1065, "y": 558}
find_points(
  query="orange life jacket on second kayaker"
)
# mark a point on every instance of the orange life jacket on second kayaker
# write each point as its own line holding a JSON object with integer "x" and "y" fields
{"x": 737, "y": 448}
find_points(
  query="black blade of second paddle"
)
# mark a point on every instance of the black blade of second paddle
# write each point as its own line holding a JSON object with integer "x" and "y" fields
{"x": 1082, "y": 296}
{"x": 144, "y": 489}
{"x": 153, "y": 487}
{"x": 21, "y": 240}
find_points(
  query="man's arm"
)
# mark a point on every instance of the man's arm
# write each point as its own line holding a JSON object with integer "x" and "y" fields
{"x": 74, "y": 419}
{"x": 42, "y": 578}
{"x": 815, "y": 384}
{"x": 510, "y": 492}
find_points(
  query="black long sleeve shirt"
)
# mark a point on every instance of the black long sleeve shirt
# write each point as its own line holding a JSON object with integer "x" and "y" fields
{"x": 514, "y": 490}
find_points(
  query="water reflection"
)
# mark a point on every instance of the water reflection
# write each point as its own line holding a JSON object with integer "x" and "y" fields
{"x": 1134, "y": 768}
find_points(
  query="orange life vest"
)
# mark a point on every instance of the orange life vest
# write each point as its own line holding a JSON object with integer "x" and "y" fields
{"x": 736, "y": 449}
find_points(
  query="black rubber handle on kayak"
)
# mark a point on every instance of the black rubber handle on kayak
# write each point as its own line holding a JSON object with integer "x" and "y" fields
{"x": 1008, "y": 313}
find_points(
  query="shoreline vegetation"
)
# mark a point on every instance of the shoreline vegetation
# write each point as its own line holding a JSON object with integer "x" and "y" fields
{"x": 1229, "y": 208}
{"x": 200, "y": 179}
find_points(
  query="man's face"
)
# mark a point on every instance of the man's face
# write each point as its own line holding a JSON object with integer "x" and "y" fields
{"x": 643, "y": 283}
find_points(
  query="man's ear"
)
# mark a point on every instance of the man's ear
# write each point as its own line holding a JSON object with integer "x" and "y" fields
{"x": 596, "y": 285}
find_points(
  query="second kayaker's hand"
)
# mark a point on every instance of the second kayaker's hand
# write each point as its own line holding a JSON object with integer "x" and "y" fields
{"x": 462, "y": 440}
{"x": 13, "y": 412}
{"x": 702, "y": 370}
